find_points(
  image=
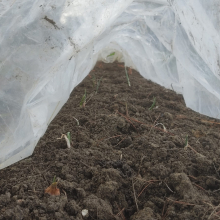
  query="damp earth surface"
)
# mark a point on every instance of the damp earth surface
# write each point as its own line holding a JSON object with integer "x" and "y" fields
{"x": 137, "y": 153}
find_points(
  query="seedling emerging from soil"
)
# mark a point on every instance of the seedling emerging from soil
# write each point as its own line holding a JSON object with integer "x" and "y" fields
{"x": 188, "y": 146}
{"x": 93, "y": 81}
{"x": 52, "y": 189}
{"x": 154, "y": 103}
{"x": 186, "y": 142}
{"x": 98, "y": 85}
{"x": 67, "y": 139}
{"x": 83, "y": 100}
{"x": 68, "y": 136}
{"x": 77, "y": 121}
{"x": 129, "y": 84}
{"x": 111, "y": 54}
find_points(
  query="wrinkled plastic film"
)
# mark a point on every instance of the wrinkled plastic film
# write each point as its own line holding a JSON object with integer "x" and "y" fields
{"x": 48, "y": 47}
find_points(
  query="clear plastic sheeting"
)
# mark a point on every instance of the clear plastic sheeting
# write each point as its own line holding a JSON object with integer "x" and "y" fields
{"x": 48, "y": 47}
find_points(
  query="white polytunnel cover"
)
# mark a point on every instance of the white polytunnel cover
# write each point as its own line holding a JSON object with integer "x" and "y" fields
{"x": 48, "y": 47}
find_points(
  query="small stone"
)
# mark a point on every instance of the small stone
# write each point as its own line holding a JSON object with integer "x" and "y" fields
{"x": 85, "y": 213}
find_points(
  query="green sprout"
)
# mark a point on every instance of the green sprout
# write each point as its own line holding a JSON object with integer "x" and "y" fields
{"x": 98, "y": 85}
{"x": 93, "y": 81}
{"x": 54, "y": 179}
{"x": 77, "y": 121}
{"x": 83, "y": 100}
{"x": 129, "y": 84}
{"x": 111, "y": 54}
{"x": 154, "y": 103}
{"x": 68, "y": 136}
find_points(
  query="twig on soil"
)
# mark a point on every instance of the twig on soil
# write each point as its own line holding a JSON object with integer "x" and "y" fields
{"x": 126, "y": 107}
{"x": 211, "y": 122}
{"x": 151, "y": 126}
{"x": 154, "y": 126}
{"x": 141, "y": 164}
{"x": 208, "y": 204}
{"x": 88, "y": 99}
{"x": 143, "y": 190}
{"x": 213, "y": 178}
{"x": 157, "y": 119}
{"x": 213, "y": 212}
{"x": 212, "y": 207}
{"x": 195, "y": 151}
{"x": 149, "y": 182}
{"x": 104, "y": 139}
{"x": 126, "y": 119}
{"x": 120, "y": 141}
{"x": 218, "y": 213}
{"x": 199, "y": 186}
{"x": 34, "y": 191}
{"x": 192, "y": 177}
{"x": 188, "y": 146}
{"x": 84, "y": 164}
{"x": 205, "y": 213}
{"x": 64, "y": 192}
{"x": 164, "y": 215}
{"x": 168, "y": 187}
{"x": 135, "y": 198}
{"x": 120, "y": 213}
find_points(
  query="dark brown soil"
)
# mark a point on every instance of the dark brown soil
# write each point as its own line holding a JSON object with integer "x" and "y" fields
{"x": 122, "y": 163}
